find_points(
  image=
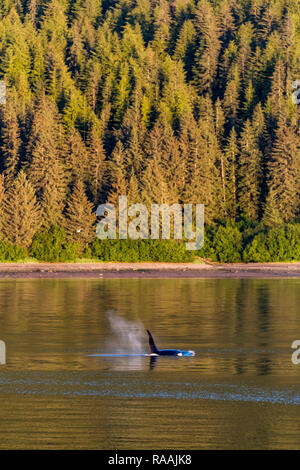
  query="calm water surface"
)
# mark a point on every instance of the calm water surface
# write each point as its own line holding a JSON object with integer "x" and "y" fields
{"x": 240, "y": 391}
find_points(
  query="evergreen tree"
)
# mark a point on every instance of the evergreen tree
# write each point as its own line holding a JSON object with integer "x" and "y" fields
{"x": 2, "y": 198}
{"x": 21, "y": 212}
{"x": 80, "y": 219}
{"x": 46, "y": 168}
{"x": 11, "y": 143}
{"x": 116, "y": 175}
{"x": 231, "y": 155}
{"x": 96, "y": 165}
{"x": 77, "y": 157}
{"x": 250, "y": 173}
{"x": 284, "y": 174}
{"x": 207, "y": 56}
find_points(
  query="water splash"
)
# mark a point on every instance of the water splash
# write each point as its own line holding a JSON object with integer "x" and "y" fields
{"x": 128, "y": 336}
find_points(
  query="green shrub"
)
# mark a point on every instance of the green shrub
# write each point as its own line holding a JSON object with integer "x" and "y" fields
{"x": 278, "y": 244}
{"x": 222, "y": 243}
{"x": 227, "y": 242}
{"x": 256, "y": 251}
{"x": 52, "y": 246}
{"x": 140, "y": 250}
{"x": 10, "y": 252}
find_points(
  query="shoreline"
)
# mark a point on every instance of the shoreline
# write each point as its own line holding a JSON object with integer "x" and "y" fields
{"x": 148, "y": 270}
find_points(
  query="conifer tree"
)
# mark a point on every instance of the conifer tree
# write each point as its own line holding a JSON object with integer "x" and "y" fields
{"x": 231, "y": 154}
{"x": 207, "y": 61}
{"x": 163, "y": 152}
{"x": 231, "y": 100}
{"x": 203, "y": 184}
{"x": 46, "y": 168}
{"x": 11, "y": 143}
{"x": 276, "y": 101}
{"x": 96, "y": 165}
{"x": 162, "y": 21}
{"x": 284, "y": 173}
{"x": 21, "y": 212}
{"x": 80, "y": 219}
{"x": 250, "y": 173}
{"x": 2, "y": 198}
{"x": 116, "y": 175}
{"x": 133, "y": 194}
{"x": 53, "y": 197}
{"x": 46, "y": 143}
{"x": 154, "y": 185}
{"x": 185, "y": 46}
{"x": 77, "y": 156}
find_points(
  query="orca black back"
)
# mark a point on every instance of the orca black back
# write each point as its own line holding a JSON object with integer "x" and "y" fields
{"x": 161, "y": 352}
{"x": 152, "y": 345}
{"x": 166, "y": 352}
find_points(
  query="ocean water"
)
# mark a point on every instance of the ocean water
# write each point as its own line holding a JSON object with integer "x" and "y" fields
{"x": 78, "y": 373}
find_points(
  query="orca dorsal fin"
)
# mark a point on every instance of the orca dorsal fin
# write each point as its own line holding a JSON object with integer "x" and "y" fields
{"x": 153, "y": 348}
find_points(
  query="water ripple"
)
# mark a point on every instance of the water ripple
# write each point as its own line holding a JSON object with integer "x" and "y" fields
{"x": 146, "y": 389}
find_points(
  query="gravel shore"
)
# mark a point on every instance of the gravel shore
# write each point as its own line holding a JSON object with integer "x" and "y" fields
{"x": 148, "y": 270}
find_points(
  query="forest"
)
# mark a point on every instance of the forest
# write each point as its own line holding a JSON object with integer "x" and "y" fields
{"x": 182, "y": 101}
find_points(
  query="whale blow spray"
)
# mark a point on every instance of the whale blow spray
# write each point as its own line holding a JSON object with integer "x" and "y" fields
{"x": 129, "y": 336}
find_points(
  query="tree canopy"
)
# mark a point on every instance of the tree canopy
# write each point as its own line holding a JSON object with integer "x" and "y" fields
{"x": 166, "y": 101}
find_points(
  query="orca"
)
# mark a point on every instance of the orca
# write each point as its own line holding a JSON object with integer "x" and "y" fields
{"x": 166, "y": 352}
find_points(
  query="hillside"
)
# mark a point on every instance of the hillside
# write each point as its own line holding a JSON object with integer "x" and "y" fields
{"x": 182, "y": 101}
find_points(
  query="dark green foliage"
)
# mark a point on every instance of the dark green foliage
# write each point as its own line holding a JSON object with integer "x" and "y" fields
{"x": 140, "y": 250}
{"x": 52, "y": 246}
{"x": 249, "y": 242}
{"x": 223, "y": 243}
{"x": 228, "y": 242}
{"x": 10, "y": 252}
{"x": 278, "y": 244}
